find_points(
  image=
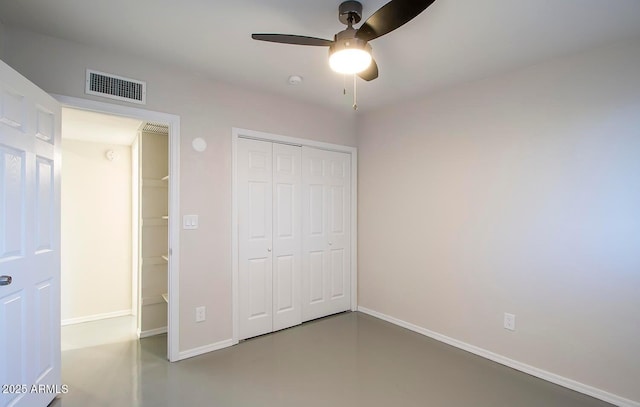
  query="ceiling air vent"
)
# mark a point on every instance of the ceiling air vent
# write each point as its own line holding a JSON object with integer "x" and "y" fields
{"x": 116, "y": 87}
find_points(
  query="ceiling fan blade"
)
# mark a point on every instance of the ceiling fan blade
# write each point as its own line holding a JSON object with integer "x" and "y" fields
{"x": 292, "y": 39}
{"x": 371, "y": 72}
{"x": 392, "y": 15}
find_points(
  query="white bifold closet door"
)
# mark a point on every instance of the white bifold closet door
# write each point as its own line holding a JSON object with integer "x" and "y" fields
{"x": 270, "y": 241}
{"x": 326, "y": 229}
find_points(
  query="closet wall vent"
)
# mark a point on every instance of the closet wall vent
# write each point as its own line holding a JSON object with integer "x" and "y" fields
{"x": 116, "y": 87}
{"x": 157, "y": 128}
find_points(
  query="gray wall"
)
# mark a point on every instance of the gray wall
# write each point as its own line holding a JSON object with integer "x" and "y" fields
{"x": 516, "y": 194}
{"x": 209, "y": 110}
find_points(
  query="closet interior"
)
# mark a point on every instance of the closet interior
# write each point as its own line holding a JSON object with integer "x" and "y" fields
{"x": 151, "y": 150}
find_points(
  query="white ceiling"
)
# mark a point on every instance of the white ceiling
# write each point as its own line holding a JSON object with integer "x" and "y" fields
{"x": 98, "y": 128}
{"x": 453, "y": 41}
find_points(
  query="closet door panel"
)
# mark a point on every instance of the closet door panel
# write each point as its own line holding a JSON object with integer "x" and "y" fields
{"x": 316, "y": 213}
{"x": 326, "y": 237}
{"x": 258, "y": 271}
{"x": 339, "y": 220}
{"x": 255, "y": 208}
{"x": 287, "y": 236}
{"x": 315, "y": 273}
{"x": 284, "y": 291}
{"x": 338, "y": 274}
{"x": 258, "y": 216}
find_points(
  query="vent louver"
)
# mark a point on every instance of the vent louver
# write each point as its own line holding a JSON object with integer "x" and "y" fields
{"x": 157, "y": 128}
{"x": 116, "y": 87}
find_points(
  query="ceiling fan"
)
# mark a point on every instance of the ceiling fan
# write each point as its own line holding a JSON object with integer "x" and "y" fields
{"x": 350, "y": 52}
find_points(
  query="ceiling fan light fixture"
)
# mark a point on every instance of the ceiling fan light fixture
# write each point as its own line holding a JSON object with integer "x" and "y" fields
{"x": 350, "y": 56}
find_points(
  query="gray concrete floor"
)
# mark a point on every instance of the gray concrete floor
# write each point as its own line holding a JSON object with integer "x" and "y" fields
{"x": 349, "y": 359}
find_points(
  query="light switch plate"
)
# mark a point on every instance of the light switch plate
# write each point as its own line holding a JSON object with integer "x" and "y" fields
{"x": 190, "y": 222}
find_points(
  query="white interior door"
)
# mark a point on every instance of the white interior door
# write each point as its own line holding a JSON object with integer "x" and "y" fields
{"x": 255, "y": 208}
{"x": 287, "y": 237}
{"x": 269, "y": 236}
{"x": 326, "y": 220}
{"x": 29, "y": 242}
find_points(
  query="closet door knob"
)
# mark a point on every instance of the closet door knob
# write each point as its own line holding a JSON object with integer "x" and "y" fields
{"x": 269, "y": 250}
{"x": 330, "y": 243}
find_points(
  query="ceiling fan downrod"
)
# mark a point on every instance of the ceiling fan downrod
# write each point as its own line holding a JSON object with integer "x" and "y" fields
{"x": 350, "y": 12}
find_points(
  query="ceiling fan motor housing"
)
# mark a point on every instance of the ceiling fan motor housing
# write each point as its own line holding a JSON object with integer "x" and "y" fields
{"x": 346, "y": 39}
{"x": 350, "y": 9}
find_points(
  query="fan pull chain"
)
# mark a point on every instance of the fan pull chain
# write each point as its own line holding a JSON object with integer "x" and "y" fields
{"x": 355, "y": 93}
{"x": 344, "y": 84}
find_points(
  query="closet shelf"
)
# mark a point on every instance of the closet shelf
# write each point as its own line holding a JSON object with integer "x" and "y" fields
{"x": 154, "y": 182}
{"x": 152, "y": 211}
{"x": 154, "y": 261}
{"x": 153, "y": 300}
{"x": 159, "y": 221}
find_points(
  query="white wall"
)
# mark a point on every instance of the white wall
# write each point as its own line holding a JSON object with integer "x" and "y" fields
{"x": 515, "y": 194}
{"x": 208, "y": 109}
{"x": 96, "y": 229}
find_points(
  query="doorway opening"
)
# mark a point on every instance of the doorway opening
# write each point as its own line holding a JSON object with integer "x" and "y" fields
{"x": 98, "y": 273}
{"x": 136, "y": 309}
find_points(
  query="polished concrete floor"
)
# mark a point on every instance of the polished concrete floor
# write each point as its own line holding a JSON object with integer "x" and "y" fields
{"x": 346, "y": 360}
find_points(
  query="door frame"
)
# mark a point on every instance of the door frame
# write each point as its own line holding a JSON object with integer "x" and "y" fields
{"x": 238, "y": 133}
{"x": 173, "y": 320}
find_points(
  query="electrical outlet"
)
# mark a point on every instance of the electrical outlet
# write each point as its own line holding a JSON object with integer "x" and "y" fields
{"x": 200, "y": 314}
{"x": 509, "y": 321}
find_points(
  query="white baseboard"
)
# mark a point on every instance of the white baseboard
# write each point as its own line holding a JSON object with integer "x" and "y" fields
{"x": 533, "y": 371}
{"x": 152, "y": 332}
{"x": 96, "y": 317}
{"x": 204, "y": 349}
